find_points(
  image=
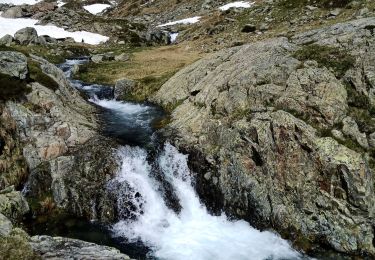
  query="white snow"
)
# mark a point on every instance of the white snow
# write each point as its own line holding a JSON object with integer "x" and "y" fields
{"x": 238, "y": 4}
{"x": 173, "y": 37}
{"x": 183, "y": 21}
{"x": 19, "y": 2}
{"x": 10, "y": 26}
{"x": 96, "y": 8}
{"x": 59, "y": 3}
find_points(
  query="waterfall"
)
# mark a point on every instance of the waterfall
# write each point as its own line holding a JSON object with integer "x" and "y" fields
{"x": 192, "y": 233}
{"x": 144, "y": 187}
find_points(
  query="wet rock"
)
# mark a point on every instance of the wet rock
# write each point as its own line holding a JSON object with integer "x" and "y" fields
{"x": 26, "y": 36}
{"x": 123, "y": 87}
{"x": 13, "y": 64}
{"x": 68, "y": 248}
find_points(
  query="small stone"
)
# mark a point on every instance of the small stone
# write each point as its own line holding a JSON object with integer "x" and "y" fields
{"x": 122, "y": 57}
{"x": 263, "y": 27}
{"x": 337, "y": 134}
{"x": 335, "y": 12}
{"x": 311, "y": 8}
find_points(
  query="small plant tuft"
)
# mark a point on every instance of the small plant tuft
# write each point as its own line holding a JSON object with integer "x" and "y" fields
{"x": 338, "y": 60}
{"x": 12, "y": 88}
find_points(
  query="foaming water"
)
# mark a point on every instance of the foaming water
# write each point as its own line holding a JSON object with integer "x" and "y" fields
{"x": 124, "y": 108}
{"x": 191, "y": 234}
{"x": 130, "y": 122}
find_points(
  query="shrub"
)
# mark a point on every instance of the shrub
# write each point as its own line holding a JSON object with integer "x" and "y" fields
{"x": 291, "y": 4}
{"x": 12, "y": 87}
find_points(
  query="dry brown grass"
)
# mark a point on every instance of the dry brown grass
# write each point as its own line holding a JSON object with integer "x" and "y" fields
{"x": 154, "y": 62}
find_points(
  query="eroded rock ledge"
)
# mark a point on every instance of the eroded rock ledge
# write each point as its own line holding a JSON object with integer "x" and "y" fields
{"x": 49, "y": 136}
{"x": 272, "y": 137}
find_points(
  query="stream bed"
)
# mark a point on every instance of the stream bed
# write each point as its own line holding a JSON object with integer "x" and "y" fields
{"x": 161, "y": 215}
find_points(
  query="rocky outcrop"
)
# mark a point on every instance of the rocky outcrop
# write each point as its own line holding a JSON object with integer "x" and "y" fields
{"x": 55, "y": 128}
{"x": 258, "y": 125}
{"x": 67, "y": 248}
{"x": 13, "y": 64}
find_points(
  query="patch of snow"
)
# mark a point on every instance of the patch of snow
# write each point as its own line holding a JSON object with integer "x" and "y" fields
{"x": 10, "y": 26}
{"x": 20, "y": 2}
{"x": 59, "y": 3}
{"x": 96, "y": 8}
{"x": 238, "y": 4}
{"x": 173, "y": 37}
{"x": 183, "y": 21}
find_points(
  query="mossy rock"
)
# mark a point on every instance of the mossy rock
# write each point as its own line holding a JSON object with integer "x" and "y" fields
{"x": 16, "y": 246}
{"x": 36, "y": 74}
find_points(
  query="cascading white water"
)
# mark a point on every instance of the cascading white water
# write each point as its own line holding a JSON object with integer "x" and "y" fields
{"x": 193, "y": 233}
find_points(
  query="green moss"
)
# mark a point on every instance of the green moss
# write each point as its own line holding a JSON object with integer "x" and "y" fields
{"x": 12, "y": 88}
{"x": 36, "y": 74}
{"x": 16, "y": 246}
{"x": 338, "y": 60}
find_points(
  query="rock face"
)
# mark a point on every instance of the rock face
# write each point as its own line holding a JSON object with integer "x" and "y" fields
{"x": 13, "y": 64}
{"x": 67, "y": 248}
{"x": 57, "y": 128}
{"x": 257, "y": 123}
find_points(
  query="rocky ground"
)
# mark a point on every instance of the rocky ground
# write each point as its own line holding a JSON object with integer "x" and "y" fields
{"x": 274, "y": 104}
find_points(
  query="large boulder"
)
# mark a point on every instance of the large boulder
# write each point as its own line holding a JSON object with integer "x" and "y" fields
{"x": 124, "y": 87}
{"x": 158, "y": 36}
{"x": 68, "y": 248}
{"x": 26, "y": 36}
{"x": 258, "y": 123}
{"x": 13, "y": 64}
